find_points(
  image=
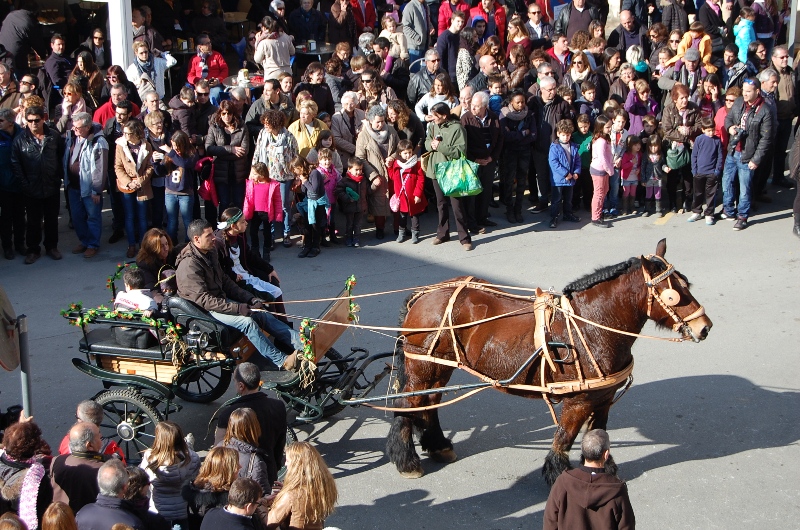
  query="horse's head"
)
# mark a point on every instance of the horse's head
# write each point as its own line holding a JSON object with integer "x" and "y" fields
{"x": 669, "y": 301}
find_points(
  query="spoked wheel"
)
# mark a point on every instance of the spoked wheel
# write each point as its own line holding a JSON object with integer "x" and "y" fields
{"x": 200, "y": 384}
{"x": 130, "y": 420}
{"x": 324, "y": 384}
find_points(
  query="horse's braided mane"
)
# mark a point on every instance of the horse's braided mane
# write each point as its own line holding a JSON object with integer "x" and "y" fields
{"x": 601, "y": 275}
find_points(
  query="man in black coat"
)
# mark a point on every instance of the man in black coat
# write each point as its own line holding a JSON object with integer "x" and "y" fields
{"x": 422, "y": 80}
{"x": 56, "y": 72}
{"x": 238, "y": 513}
{"x": 629, "y": 32}
{"x": 574, "y": 17}
{"x": 307, "y": 23}
{"x": 484, "y": 145}
{"x": 36, "y": 165}
{"x": 22, "y": 33}
{"x": 110, "y": 507}
{"x": 271, "y": 415}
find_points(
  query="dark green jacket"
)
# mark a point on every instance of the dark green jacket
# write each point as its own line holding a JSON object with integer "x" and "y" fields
{"x": 452, "y": 146}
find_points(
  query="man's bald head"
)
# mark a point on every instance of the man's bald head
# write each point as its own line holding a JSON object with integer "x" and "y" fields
{"x": 84, "y": 436}
{"x": 488, "y": 65}
{"x": 627, "y": 20}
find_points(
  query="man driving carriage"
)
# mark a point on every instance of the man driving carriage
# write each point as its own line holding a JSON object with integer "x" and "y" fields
{"x": 201, "y": 280}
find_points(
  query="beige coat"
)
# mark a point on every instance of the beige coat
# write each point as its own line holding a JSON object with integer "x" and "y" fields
{"x": 127, "y": 169}
{"x": 375, "y": 169}
{"x": 346, "y": 142}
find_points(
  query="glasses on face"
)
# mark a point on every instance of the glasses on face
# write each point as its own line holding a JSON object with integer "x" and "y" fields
{"x": 23, "y": 82}
{"x": 202, "y": 94}
{"x": 782, "y": 57}
{"x": 677, "y": 41}
{"x": 579, "y": 63}
{"x": 433, "y": 60}
{"x": 534, "y": 12}
{"x": 34, "y": 120}
{"x": 367, "y": 81}
{"x": 730, "y": 100}
{"x": 99, "y": 38}
{"x": 251, "y": 39}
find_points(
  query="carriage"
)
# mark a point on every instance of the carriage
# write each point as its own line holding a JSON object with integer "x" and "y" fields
{"x": 193, "y": 361}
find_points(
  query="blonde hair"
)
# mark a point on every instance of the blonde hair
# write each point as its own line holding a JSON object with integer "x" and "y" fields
{"x": 309, "y": 479}
{"x": 243, "y": 425}
{"x": 169, "y": 447}
{"x": 219, "y": 469}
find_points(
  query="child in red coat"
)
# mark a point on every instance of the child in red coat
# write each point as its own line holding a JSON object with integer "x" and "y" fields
{"x": 262, "y": 205}
{"x": 408, "y": 180}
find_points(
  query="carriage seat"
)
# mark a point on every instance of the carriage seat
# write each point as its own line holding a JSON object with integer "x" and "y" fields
{"x": 101, "y": 341}
{"x": 191, "y": 316}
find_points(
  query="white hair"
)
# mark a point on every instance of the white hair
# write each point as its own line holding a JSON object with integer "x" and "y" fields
{"x": 350, "y": 95}
{"x": 767, "y": 74}
{"x": 482, "y": 98}
{"x": 546, "y": 81}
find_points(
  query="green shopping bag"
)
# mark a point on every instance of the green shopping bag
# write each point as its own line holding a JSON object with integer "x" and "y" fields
{"x": 458, "y": 178}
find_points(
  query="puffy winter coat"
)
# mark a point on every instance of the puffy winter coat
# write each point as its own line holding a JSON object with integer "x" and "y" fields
{"x": 414, "y": 187}
{"x": 561, "y": 165}
{"x": 36, "y": 168}
{"x": 127, "y": 169}
{"x": 252, "y": 462}
{"x": 166, "y": 483}
{"x": 227, "y": 166}
{"x": 744, "y": 33}
{"x": 346, "y": 203}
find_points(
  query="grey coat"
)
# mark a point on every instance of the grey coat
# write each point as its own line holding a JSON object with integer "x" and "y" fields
{"x": 416, "y": 25}
{"x": 345, "y": 141}
{"x": 253, "y": 463}
{"x": 166, "y": 483}
{"x": 375, "y": 169}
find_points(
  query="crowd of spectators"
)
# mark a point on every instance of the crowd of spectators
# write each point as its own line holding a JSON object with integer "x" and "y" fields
{"x": 517, "y": 89}
{"x": 87, "y": 486}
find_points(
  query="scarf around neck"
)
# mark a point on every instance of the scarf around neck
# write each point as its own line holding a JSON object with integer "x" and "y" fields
{"x": 30, "y": 490}
{"x": 515, "y": 115}
{"x": 578, "y": 77}
{"x": 408, "y": 164}
{"x": 381, "y": 137}
{"x": 147, "y": 67}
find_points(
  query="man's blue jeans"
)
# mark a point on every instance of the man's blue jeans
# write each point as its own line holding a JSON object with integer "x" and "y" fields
{"x": 733, "y": 168}
{"x": 86, "y": 218}
{"x": 251, "y": 326}
{"x": 173, "y": 203}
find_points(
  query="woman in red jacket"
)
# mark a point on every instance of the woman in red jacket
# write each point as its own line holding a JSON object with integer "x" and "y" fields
{"x": 210, "y": 65}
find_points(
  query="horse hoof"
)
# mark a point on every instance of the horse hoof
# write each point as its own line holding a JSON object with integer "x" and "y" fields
{"x": 417, "y": 473}
{"x": 445, "y": 456}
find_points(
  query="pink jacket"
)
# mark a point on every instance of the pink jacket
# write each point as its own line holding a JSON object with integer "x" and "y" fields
{"x": 263, "y": 197}
{"x": 602, "y": 159}
{"x": 627, "y": 166}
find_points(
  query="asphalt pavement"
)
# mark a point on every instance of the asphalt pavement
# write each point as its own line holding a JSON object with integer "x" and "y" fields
{"x": 707, "y": 437}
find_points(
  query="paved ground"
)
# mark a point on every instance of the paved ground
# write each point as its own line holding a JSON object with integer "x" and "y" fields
{"x": 707, "y": 436}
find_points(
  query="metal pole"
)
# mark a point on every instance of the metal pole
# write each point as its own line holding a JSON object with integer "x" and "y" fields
{"x": 24, "y": 364}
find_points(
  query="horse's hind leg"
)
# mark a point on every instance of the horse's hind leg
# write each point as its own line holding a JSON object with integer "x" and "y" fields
{"x": 573, "y": 415}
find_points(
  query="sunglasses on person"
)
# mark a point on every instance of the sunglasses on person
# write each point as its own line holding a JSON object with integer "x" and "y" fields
{"x": 202, "y": 94}
{"x": 675, "y": 40}
{"x": 23, "y": 82}
{"x": 251, "y": 39}
{"x": 224, "y": 113}
{"x": 367, "y": 81}
{"x": 730, "y": 100}
{"x": 99, "y": 38}
{"x": 34, "y": 120}
{"x": 534, "y": 12}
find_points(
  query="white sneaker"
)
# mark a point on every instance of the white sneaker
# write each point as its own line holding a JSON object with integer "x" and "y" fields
{"x": 694, "y": 217}
{"x": 726, "y": 217}
{"x": 710, "y": 220}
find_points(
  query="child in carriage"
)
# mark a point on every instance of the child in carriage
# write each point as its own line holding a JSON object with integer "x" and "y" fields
{"x": 135, "y": 298}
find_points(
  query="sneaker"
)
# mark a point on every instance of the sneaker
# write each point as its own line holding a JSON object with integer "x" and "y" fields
{"x": 726, "y": 217}
{"x": 31, "y": 258}
{"x": 601, "y": 224}
{"x": 539, "y": 208}
{"x": 572, "y": 218}
{"x": 554, "y": 222}
{"x": 694, "y": 217}
{"x": 710, "y": 220}
{"x": 740, "y": 224}
{"x": 356, "y": 243}
{"x": 613, "y": 212}
{"x": 467, "y": 246}
{"x": 54, "y": 254}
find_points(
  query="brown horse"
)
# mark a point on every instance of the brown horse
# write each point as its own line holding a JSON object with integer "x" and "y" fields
{"x": 617, "y": 297}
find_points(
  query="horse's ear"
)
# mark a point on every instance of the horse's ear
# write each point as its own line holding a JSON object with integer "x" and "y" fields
{"x": 647, "y": 265}
{"x": 661, "y": 248}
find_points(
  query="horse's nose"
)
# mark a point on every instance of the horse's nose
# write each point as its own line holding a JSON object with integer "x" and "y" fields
{"x": 704, "y": 332}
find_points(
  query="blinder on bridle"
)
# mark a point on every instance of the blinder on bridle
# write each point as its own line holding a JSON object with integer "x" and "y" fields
{"x": 669, "y": 297}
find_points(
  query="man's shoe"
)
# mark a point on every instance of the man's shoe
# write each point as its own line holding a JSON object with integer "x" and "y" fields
{"x": 601, "y": 224}
{"x": 313, "y": 253}
{"x": 80, "y": 249}
{"x": 379, "y": 233}
{"x": 740, "y": 224}
{"x": 116, "y": 236}
{"x": 437, "y": 241}
{"x": 518, "y": 217}
{"x": 131, "y": 253}
{"x": 303, "y": 253}
{"x": 55, "y": 254}
{"x": 510, "y": 218}
{"x": 539, "y": 208}
{"x": 710, "y": 220}
{"x": 487, "y": 222}
{"x": 554, "y": 222}
{"x": 694, "y": 217}
{"x": 31, "y": 258}
{"x": 90, "y": 253}
{"x": 291, "y": 361}
{"x": 572, "y": 218}
{"x": 466, "y": 246}
{"x": 8, "y": 253}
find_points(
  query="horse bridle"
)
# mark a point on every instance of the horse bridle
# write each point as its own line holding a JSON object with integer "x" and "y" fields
{"x": 669, "y": 297}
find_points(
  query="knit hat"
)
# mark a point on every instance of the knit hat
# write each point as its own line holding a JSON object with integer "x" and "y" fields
{"x": 692, "y": 55}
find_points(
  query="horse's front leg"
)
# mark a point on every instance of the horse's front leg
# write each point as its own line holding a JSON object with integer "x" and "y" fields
{"x": 433, "y": 440}
{"x": 574, "y": 413}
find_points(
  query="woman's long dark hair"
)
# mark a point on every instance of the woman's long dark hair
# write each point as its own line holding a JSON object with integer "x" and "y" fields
{"x": 443, "y": 109}
{"x": 226, "y": 106}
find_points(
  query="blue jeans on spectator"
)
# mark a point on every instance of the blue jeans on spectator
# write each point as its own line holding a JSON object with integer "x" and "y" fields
{"x": 135, "y": 218}
{"x": 251, "y": 326}
{"x": 86, "y": 218}
{"x": 173, "y": 203}
{"x": 414, "y": 55}
{"x": 733, "y": 168}
{"x": 613, "y": 191}
{"x": 230, "y": 195}
{"x": 560, "y": 194}
{"x": 286, "y": 199}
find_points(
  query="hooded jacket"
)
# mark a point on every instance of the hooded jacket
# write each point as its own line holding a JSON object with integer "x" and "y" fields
{"x": 583, "y": 500}
{"x": 167, "y": 482}
{"x": 183, "y": 116}
{"x": 93, "y": 161}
